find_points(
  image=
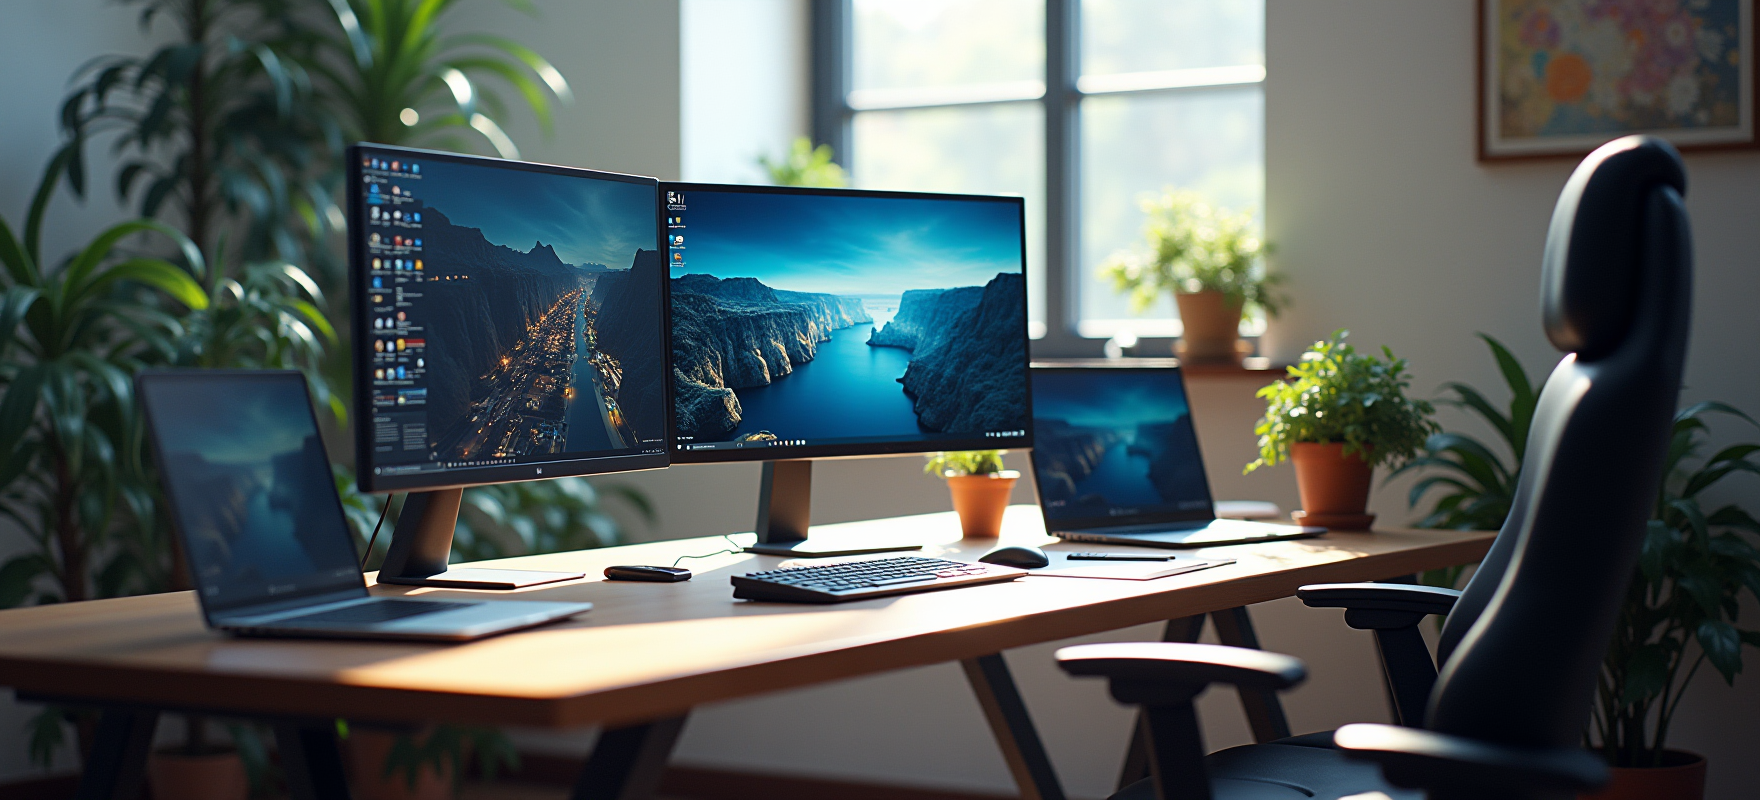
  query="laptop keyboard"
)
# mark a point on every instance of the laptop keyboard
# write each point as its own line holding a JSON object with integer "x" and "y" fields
{"x": 367, "y": 613}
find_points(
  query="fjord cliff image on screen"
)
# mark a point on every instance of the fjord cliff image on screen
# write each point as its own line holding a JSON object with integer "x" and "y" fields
{"x": 1127, "y": 449}
{"x": 825, "y": 319}
{"x": 516, "y": 314}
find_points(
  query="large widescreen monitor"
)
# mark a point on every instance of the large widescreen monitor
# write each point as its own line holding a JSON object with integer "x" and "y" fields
{"x": 815, "y": 322}
{"x": 509, "y": 320}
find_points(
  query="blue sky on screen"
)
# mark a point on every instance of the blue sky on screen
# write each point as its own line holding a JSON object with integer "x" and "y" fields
{"x": 849, "y": 245}
{"x": 586, "y": 220}
{"x": 1107, "y": 399}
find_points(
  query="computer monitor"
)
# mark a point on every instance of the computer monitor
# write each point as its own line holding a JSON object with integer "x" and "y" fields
{"x": 824, "y": 323}
{"x": 509, "y": 324}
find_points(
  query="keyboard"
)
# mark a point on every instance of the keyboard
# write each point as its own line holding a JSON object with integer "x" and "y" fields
{"x": 859, "y": 580}
{"x": 385, "y": 610}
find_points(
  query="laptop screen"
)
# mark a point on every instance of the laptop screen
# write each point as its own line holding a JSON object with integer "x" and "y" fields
{"x": 1115, "y": 446}
{"x": 250, "y": 487}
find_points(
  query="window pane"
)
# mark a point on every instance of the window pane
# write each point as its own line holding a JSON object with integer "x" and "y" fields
{"x": 1208, "y": 141}
{"x": 923, "y": 43}
{"x": 994, "y": 149}
{"x": 1149, "y": 35}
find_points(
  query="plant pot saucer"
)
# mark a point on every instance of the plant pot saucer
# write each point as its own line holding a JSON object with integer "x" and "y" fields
{"x": 1337, "y": 522}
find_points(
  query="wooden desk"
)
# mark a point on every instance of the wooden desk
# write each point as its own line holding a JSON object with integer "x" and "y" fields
{"x": 648, "y": 652}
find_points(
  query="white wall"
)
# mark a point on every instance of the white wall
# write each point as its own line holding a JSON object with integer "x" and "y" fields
{"x": 744, "y": 68}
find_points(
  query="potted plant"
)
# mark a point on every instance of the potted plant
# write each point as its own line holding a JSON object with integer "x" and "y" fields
{"x": 386, "y": 764}
{"x": 1679, "y": 615}
{"x": 1211, "y": 259}
{"x": 980, "y": 488}
{"x": 1338, "y": 415}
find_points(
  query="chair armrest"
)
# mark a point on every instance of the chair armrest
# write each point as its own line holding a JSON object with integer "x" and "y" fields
{"x": 1380, "y": 597}
{"x": 1421, "y": 759}
{"x": 1152, "y": 672}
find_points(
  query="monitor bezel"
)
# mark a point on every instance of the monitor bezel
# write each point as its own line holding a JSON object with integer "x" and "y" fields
{"x": 1091, "y": 366}
{"x": 855, "y": 449}
{"x": 508, "y": 473}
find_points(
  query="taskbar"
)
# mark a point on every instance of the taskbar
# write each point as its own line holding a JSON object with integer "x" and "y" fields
{"x": 760, "y": 444}
{"x": 432, "y": 467}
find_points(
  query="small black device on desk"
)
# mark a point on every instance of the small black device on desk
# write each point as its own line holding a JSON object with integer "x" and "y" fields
{"x": 1119, "y": 557}
{"x": 641, "y": 572}
{"x": 860, "y": 580}
{"x": 1017, "y": 556}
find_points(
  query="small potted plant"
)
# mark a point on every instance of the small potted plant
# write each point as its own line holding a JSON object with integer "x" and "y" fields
{"x": 1337, "y": 416}
{"x": 1211, "y": 259}
{"x": 980, "y": 488}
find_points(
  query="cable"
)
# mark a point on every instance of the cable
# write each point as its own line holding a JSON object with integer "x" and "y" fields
{"x": 728, "y": 537}
{"x": 375, "y": 536}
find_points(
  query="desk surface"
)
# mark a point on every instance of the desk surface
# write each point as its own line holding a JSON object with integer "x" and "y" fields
{"x": 649, "y": 650}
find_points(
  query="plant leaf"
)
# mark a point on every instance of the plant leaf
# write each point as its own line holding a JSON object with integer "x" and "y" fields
{"x": 1723, "y": 647}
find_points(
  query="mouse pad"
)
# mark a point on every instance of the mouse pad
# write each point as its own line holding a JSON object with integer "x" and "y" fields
{"x": 1062, "y": 567}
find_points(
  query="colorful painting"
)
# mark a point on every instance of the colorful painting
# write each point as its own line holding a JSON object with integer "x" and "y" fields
{"x": 1563, "y": 76}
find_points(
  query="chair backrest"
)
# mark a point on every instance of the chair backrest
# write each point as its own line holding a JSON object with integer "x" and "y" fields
{"x": 1521, "y": 651}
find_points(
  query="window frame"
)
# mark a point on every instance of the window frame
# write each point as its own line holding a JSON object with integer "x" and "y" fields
{"x": 1061, "y": 94}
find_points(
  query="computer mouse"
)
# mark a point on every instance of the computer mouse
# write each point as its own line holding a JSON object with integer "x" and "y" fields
{"x": 634, "y": 572}
{"x": 1021, "y": 557}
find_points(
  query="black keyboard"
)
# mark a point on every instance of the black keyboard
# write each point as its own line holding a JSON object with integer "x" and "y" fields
{"x": 384, "y": 610}
{"x": 860, "y": 580}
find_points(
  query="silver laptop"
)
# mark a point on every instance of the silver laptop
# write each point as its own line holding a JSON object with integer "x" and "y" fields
{"x": 1115, "y": 457}
{"x": 256, "y": 511}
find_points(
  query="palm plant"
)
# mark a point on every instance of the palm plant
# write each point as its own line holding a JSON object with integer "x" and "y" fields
{"x": 217, "y": 131}
{"x": 1476, "y": 482}
{"x": 70, "y": 337}
{"x": 395, "y": 76}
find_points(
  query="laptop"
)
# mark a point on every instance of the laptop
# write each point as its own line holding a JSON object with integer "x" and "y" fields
{"x": 255, "y": 508}
{"x": 1115, "y": 457}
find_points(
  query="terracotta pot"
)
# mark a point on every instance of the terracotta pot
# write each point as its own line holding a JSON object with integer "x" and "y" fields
{"x": 1681, "y": 777}
{"x": 217, "y": 775}
{"x": 980, "y": 501}
{"x": 1212, "y": 326}
{"x": 1334, "y": 487}
{"x": 367, "y": 751}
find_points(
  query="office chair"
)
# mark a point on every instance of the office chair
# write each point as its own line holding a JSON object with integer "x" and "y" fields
{"x": 1522, "y": 644}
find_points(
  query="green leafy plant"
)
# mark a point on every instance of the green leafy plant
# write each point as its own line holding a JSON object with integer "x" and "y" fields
{"x": 446, "y": 750}
{"x": 967, "y": 462}
{"x": 217, "y": 131}
{"x": 805, "y": 165}
{"x": 1476, "y": 483}
{"x": 1680, "y": 610}
{"x": 387, "y": 71}
{"x": 1335, "y": 394}
{"x": 1196, "y": 247}
{"x": 71, "y": 335}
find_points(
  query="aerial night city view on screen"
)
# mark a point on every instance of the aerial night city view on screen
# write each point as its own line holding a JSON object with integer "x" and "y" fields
{"x": 1115, "y": 441}
{"x": 514, "y": 316}
{"x": 814, "y": 319}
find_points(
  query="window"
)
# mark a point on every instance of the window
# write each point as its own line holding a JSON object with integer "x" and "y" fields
{"x": 1082, "y": 106}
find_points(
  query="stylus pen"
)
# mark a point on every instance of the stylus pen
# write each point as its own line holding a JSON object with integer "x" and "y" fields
{"x": 1119, "y": 557}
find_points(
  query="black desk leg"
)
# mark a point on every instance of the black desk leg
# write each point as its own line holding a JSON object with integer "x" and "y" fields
{"x": 627, "y": 762}
{"x": 1136, "y": 758}
{"x": 118, "y": 763}
{"x": 312, "y": 759}
{"x": 1264, "y": 711}
{"x": 1015, "y": 734}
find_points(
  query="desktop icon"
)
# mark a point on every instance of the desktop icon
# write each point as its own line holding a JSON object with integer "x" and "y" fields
{"x": 374, "y": 239}
{"x": 395, "y": 166}
{"x": 374, "y": 188}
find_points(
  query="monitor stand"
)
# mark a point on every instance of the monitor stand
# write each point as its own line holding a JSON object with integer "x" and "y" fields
{"x": 785, "y": 497}
{"x": 422, "y": 542}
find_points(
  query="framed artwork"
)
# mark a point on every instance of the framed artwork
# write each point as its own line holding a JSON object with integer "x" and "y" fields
{"x": 1561, "y": 77}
